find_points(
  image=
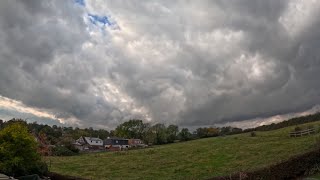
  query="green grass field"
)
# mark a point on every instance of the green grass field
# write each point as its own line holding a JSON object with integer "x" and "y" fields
{"x": 198, "y": 159}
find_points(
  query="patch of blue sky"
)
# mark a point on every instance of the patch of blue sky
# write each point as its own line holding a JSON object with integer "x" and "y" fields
{"x": 103, "y": 21}
{"x": 100, "y": 19}
{"x": 80, "y": 2}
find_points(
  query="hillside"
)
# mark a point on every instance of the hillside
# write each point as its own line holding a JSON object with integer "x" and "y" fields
{"x": 198, "y": 159}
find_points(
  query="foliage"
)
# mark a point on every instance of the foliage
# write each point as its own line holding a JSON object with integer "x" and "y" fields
{"x": 149, "y": 136}
{"x": 172, "y": 132}
{"x": 131, "y": 129}
{"x": 160, "y": 133}
{"x": 43, "y": 148}
{"x": 225, "y": 130}
{"x": 253, "y": 134}
{"x": 236, "y": 130}
{"x": 184, "y": 134}
{"x": 1, "y": 123}
{"x": 207, "y": 132}
{"x": 18, "y": 151}
{"x": 67, "y": 142}
{"x": 297, "y": 129}
{"x": 62, "y": 151}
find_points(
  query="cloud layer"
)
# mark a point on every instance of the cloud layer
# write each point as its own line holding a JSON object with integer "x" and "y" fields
{"x": 100, "y": 62}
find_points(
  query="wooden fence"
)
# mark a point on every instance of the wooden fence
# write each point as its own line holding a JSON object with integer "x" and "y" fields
{"x": 302, "y": 133}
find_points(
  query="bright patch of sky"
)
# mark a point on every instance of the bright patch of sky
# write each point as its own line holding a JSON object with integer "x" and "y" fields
{"x": 13, "y": 107}
{"x": 7, "y": 114}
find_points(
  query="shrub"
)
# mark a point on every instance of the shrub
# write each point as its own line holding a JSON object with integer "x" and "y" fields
{"x": 296, "y": 129}
{"x": 253, "y": 134}
{"x": 73, "y": 149}
{"x": 40, "y": 168}
{"x": 67, "y": 142}
{"x": 62, "y": 151}
{"x": 18, "y": 152}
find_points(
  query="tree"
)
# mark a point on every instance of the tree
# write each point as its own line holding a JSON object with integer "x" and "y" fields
{"x": 131, "y": 129}
{"x": 207, "y": 132}
{"x": 103, "y": 134}
{"x": 160, "y": 133}
{"x": 43, "y": 148}
{"x": 236, "y": 130}
{"x": 172, "y": 131}
{"x": 65, "y": 147}
{"x": 77, "y": 133}
{"x": 225, "y": 130}
{"x": 212, "y": 132}
{"x": 1, "y": 123}
{"x": 184, "y": 134}
{"x": 18, "y": 151}
{"x": 201, "y": 132}
{"x": 52, "y": 135}
{"x": 149, "y": 135}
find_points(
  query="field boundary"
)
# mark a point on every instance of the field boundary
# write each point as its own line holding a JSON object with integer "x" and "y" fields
{"x": 302, "y": 133}
{"x": 56, "y": 176}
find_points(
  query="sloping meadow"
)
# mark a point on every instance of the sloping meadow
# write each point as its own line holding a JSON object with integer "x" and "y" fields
{"x": 198, "y": 159}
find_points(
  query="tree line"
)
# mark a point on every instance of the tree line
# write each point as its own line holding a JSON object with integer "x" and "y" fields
{"x": 151, "y": 134}
{"x": 291, "y": 122}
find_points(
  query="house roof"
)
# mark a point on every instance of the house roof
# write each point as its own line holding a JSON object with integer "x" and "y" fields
{"x": 117, "y": 138}
{"x": 93, "y": 139}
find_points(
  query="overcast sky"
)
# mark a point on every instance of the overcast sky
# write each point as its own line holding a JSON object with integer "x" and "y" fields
{"x": 98, "y": 63}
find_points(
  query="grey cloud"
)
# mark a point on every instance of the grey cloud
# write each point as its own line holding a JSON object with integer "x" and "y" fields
{"x": 240, "y": 97}
{"x": 195, "y": 63}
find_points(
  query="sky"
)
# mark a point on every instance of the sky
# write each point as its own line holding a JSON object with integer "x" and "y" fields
{"x": 98, "y": 63}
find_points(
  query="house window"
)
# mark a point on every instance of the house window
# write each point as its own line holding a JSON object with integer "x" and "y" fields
{"x": 117, "y": 142}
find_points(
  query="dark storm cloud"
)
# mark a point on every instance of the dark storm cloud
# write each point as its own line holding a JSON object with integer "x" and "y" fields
{"x": 191, "y": 63}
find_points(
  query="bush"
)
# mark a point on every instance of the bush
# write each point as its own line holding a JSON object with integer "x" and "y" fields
{"x": 296, "y": 129}
{"x": 72, "y": 148}
{"x": 62, "y": 151}
{"x": 253, "y": 134}
{"x": 18, "y": 152}
{"x": 40, "y": 168}
{"x": 67, "y": 142}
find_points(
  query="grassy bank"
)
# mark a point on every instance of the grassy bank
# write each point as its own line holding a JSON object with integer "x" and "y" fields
{"x": 198, "y": 159}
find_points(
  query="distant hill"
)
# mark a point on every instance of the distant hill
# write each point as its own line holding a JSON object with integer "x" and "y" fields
{"x": 291, "y": 122}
